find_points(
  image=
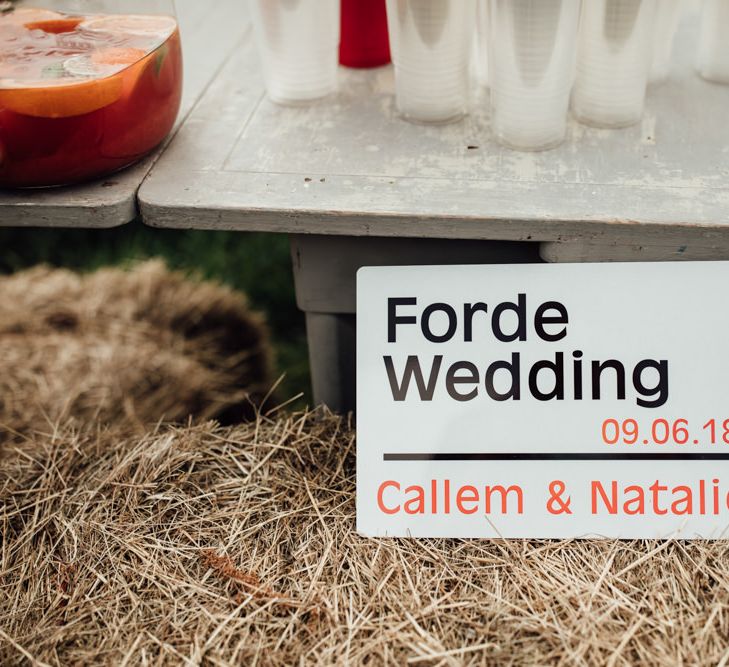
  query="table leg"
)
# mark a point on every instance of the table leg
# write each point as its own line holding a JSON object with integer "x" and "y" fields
{"x": 332, "y": 356}
{"x": 325, "y": 271}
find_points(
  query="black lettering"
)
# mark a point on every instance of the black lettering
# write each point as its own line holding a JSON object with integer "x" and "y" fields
{"x": 412, "y": 367}
{"x": 661, "y": 387}
{"x": 541, "y": 319}
{"x": 521, "y": 329}
{"x": 556, "y": 367}
{"x": 452, "y": 380}
{"x": 393, "y": 319}
{"x": 513, "y": 368}
{"x": 577, "y": 366}
{"x": 452, "y": 322}
{"x": 598, "y": 368}
{"x": 468, "y": 311}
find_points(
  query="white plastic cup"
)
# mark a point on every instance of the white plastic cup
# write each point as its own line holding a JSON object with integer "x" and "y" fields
{"x": 613, "y": 59}
{"x": 713, "y": 55}
{"x": 533, "y": 45}
{"x": 430, "y": 41}
{"x": 481, "y": 46}
{"x": 298, "y": 43}
{"x": 668, "y": 14}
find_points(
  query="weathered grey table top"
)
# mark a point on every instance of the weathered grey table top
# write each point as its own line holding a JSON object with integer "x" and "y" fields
{"x": 349, "y": 165}
{"x": 208, "y": 38}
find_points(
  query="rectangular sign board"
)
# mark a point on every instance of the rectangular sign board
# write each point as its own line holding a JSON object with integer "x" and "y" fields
{"x": 545, "y": 401}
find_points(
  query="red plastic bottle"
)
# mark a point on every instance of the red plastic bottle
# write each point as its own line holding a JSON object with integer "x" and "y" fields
{"x": 364, "y": 40}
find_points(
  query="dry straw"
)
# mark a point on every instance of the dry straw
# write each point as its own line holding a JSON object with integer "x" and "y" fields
{"x": 126, "y": 348}
{"x": 212, "y": 546}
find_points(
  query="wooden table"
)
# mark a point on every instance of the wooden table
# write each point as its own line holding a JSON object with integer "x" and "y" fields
{"x": 208, "y": 38}
{"x": 350, "y": 166}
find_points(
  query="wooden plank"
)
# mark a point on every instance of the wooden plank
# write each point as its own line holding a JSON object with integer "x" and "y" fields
{"x": 349, "y": 165}
{"x": 208, "y": 39}
{"x": 608, "y": 252}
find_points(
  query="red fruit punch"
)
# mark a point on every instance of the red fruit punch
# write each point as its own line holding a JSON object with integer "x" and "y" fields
{"x": 83, "y": 96}
{"x": 364, "y": 41}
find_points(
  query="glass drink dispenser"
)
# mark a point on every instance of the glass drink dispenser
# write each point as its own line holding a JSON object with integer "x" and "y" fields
{"x": 87, "y": 87}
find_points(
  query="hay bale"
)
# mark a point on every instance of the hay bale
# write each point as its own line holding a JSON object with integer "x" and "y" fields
{"x": 126, "y": 348}
{"x": 214, "y": 546}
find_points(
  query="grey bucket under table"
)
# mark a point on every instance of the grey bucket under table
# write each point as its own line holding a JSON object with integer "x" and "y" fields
{"x": 208, "y": 39}
{"x": 354, "y": 185}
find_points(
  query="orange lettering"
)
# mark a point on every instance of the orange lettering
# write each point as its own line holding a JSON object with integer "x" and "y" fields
{"x": 461, "y": 498}
{"x": 610, "y": 503}
{"x": 381, "y": 492}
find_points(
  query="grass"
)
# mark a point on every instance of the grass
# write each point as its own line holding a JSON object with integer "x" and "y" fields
{"x": 257, "y": 264}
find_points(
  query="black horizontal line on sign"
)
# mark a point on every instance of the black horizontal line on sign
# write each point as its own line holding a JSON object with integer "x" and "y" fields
{"x": 549, "y": 456}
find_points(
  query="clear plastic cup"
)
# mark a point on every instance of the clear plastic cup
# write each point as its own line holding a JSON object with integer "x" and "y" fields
{"x": 481, "y": 45}
{"x": 614, "y": 56}
{"x": 668, "y": 14}
{"x": 532, "y": 62}
{"x": 431, "y": 42}
{"x": 298, "y": 43}
{"x": 713, "y": 55}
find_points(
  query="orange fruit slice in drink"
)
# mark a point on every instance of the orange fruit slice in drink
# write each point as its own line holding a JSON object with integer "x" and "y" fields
{"x": 54, "y": 26}
{"x": 103, "y": 62}
{"x": 61, "y": 98}
{"x": 136, "y": 25}
{"x": 56, "y": 99}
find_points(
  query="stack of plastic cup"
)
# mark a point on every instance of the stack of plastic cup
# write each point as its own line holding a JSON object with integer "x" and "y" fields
{"x": 614, "y": 56}
{"x": 364, "y": 34}
{"x": 713, "y": 56}
{"x": 481, "y": 47}
{"x": 668, "y": 13}
{"x": 532, "y": 52}
{"x": 430, "y": 42}
{"x": 298, "y": 42}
